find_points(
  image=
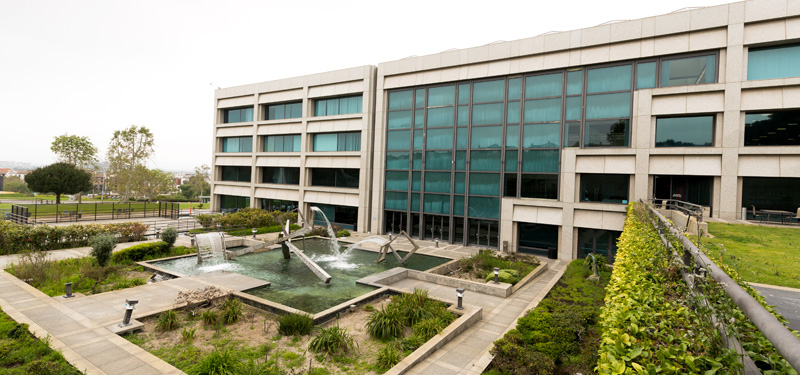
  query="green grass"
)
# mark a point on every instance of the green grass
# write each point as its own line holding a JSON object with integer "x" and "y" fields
{"x": 22, "y": 353}
{"x": 187, "y": 205}
{"x": 43, "y": 210}
{"x": 761, "y": 254}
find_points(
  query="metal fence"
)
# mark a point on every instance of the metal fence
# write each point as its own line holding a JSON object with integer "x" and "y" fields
{"x": 787, "y": 344}
{"x": 36, "y": 213}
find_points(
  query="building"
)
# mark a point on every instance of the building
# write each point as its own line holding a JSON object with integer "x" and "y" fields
{"x": 536, "y": 145}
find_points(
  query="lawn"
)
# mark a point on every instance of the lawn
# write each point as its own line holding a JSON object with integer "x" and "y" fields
{"x": 22, "y": 353}
{"x": 761, "y": 254}
{"x": 43, "y": 210}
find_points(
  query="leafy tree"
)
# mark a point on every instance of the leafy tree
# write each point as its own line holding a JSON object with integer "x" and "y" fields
{"x": 197, "y": 184}
{"x": 154, "y": 182}
{"x": 59, "y": 178}
{"x": 15, "y": 184}
{"x": 129, "y": 149}
{"x": 75, "y": 150}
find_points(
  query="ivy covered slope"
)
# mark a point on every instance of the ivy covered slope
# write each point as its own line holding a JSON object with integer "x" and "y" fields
{"x": 23, "y": 354}
{"x": 648, "y": 324}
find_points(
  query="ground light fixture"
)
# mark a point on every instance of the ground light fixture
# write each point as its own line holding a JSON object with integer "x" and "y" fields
{"x": 219, "y": 227}
{"x": 496, "y": 275}
{"x": 68, "y": 287}
{"x": 460, "y": 294}
{"x": 129, "y": 305}
{"x": 254, "y": 233}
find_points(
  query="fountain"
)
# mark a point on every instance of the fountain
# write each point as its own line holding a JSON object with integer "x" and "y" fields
{"x": 331, "y": 234}
{"x": 210, "y": 245}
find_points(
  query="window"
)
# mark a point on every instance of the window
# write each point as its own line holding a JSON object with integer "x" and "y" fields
{"x": 284, "y": 111}
{"x": 695, "y": 131}
{"x": 692, "y": 189}
{"x": 606, "y": 188}
{"x": 237, "y": 174}
{"x": 350, "y": 141}
{"x": 688, "y": 70}
{"x": 772, "y": 128}
{"x": 336, "y": 177}
{"x": 543, "y": 186}
{"x": 536, "y": 238}
{"x": 281, "y": 175}
{"x": 345, "y": 216}
{"x": 773, "y": 62}
{"x": 238, "y": 115}
{"x": 337, "y": 106}
{"x": 237, "y": 144}
{"x": 278, "y": 205}
{"x": 282, "y": 143}
{"x": 233, "y": 203}
{"x": 597, "y": 241}
{"x": 770, "y": 193}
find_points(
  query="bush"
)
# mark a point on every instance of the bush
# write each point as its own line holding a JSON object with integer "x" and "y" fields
{"x": 385, "y": 324}
{"x": 387, "y": 357}
{"x": 262, "y": 230}
{"x": 231, "y": 310}
{"x": 169, "y": 235}
{"x": 209, "y": 318}
{"x": 218, "y": 363}
{"x": 516, "y": 266}
{"x": 102, "y": 246}
{"x": 167, "y": 321}
{"x": 295, "y": 324}
{"x": 247, "y": 218}
{"x": 343, "y": 233}
{"x": 505, "y": 276}
{"x": 428, "y": 328}
{"x": 333, "y": 340}
{"x": 17, "y": 237}
{"x": 138, "y": 253}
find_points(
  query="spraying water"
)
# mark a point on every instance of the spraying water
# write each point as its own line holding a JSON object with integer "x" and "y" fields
{"x": 334, "y": 242}
{"x": 341, "y": 260}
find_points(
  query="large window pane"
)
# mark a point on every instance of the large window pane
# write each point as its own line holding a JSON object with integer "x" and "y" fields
{"x": 537, "y": 238}
{"x": 437, "y": 182}
{"x": 608, "y": 188}
{"x": 436, "y": 204}
{"x": 510, "y": 185}
{"x": 608, "y": 105}
{"x": 246, "y": 144}
{"x": 543, "y": 110}
{"x": 485, "y": 114}
{"x": 541, "y": 135}
{"x": 771, "y": 193}
{"x": 512, "y": 116}
{"x": 396, "y": 180}
{"x": 463, "y": 115}
{"x": 461, "y": 160}
{"x": 606, "y": 133}
{"x": 772, "y": 129}
{"x": 399, "y": 120}
{"x": 237, "y": 115}
{"x": 337, "y": 106}
{"x": 485, "y": 161}
{"x": 438, "y": 96}
{"x": 514, "y": 88}
{"x": 459, "y": 183}
{"x": 416, "y": 202}
{"x": 399, "y": 140}
{"x": 284, "y": 111}
{"x": 543, "y": 161}
{"x": 400, "y": 99}
{"x": 461, "y": 137}
{"x": 688, "y": 71}
{"x": 484, "y": 207}
{"x": 440, "y": 116}
{"x": 418, "y": 136}
{"x": 230, "y": 145}
{"x": 281, "y": 175}
{"x": 463, "y": 93}
{"x": 646, "y": 75}
{"x": 397, "y": 160}
{"x": 458, "y": 205}
{"x": 396, "y": 200}
{"x": 326, "y": 142}
{"x": 438, "y": 160}
{"x": 416, "y": 181}
{"x": 573, "y": 109}
{"x": 484, "y": 184}
{"x": 237, "y": 174}
{"x": 685, "y": 131}
{"x": 511, "y": 161}
{"x": 491, "y": 91}
{"x": 419, "y": 118}
{"x": 487, "y": 137}
{"x": 614, "y": 78}
{"x": 439, "y": 139}
{"x": 773, "y": 62}
{"x": 419, "y": 98}
{"x": 543, "y": 85}
{"x": 512, "y": 136}
{"x": 543, "y": 186}
{"x": 416, "y": 163}
{"x": 572, "y": 134}
{"x": 575, "y": 82}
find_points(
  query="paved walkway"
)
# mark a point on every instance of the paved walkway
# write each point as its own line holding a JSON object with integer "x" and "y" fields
{"x": 469, "y": 352}
{"x": 786, "y": 301}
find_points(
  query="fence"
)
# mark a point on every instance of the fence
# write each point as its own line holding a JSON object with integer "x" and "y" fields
{"x": 784, "y": 341}
{"x": 75, "y": 212}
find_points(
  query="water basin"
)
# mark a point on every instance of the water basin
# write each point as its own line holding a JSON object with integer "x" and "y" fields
{"x": 293, "y": 284}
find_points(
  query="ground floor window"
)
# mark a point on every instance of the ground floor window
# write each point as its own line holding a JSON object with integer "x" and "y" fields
{"x": 597, "y": 241}
{"x": 278, "y": 205}
{"x": 771, "y": 193}
{"x": 233, "y": 202}
{"x": 537, "y": 239}
{"x": 606, "y": 188}
{"x": 344, "y": 216}
{"x": 692, "y": 189}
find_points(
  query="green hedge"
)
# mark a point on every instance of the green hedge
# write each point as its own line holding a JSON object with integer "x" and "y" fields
{"x": 560, "y": 335}
{"x": 247, "y": 218}
{"x": 15, "y": 238}
{"x": 650, "y": 324}
{"x": 262, "y": 230}
{"x": 22, "y": 353}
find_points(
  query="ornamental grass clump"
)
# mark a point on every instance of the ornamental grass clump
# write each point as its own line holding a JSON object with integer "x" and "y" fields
{"x": 333, "y": 340}
{"x": 295, "y": 324}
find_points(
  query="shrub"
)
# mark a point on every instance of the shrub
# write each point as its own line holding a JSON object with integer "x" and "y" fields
{"x": 385, "y": 324}
{"x": 231, "y": 310}
{"x": 169, "y": 235}
{"x": 333, "y": 340}
{"x": 17, "y": 237}
{"x": 102, "y": 246}
{"x": 262, "y": 230}
{"x": 167, "y": 321}
{"x": 428, "y": 328}
{"x": 505, "y": 276}
{"x": 188, "y": 334}
{"x": 209, "y": 318}
{"x": 219, "y": 362}
{"x": 343, "y": 233}
{"x": 295, "y": 324}
{"x": 140, "y": 252}
{"x": 387, "y": 357}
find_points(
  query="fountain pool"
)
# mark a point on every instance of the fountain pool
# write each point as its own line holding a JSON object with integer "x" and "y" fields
{"x": 293, "y": 284}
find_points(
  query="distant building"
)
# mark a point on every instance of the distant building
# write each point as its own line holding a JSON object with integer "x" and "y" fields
{"x": 532, "y": 145}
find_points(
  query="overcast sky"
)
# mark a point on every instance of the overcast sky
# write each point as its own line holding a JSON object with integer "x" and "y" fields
{"x": 91, "y": 67}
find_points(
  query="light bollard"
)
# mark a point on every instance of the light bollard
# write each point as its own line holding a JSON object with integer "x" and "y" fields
{"x": 460, "y": 294}
{"x": 496, "y": 275}
{"x": 254, "y": 233}
{"x": 129, "y": 305}
{"x": 68, "y": 287}
{"x": 390, "y": 236}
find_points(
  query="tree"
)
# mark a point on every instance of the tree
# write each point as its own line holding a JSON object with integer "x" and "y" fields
{"x": 15, "y": 184}
{"x": 197, "y": 184}
{"x": 59, "y": 178}
{"x": 75, "y": 150}
{"x": 129, "y": 149}
{"x": 155, "y": 182}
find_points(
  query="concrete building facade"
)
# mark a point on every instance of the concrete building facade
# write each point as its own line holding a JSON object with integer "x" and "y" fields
{"x": 537, "y": 144}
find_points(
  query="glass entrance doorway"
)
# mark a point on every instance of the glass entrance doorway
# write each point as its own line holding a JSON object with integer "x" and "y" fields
{"x": 436, "y": 227}
{"x": 394, "y": 222}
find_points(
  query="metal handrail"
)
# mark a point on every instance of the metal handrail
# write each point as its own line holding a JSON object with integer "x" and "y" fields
{"x": 784, "y": 340}
{"x": 691, "y": 209}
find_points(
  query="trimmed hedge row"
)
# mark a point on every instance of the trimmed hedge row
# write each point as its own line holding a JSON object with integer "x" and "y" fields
{"x": 262, "y": 230}
{"x": 246, "y": 217}
{"x": 650, "y": 324}
{"x": 15, "y": 238}
{"x": 148, "y": 251}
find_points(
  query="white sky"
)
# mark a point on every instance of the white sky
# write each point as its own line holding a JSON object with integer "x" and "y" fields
{"x": 91, "y": 67}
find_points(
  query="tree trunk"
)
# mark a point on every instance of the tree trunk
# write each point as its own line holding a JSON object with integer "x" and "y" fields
{"x": 58, "y": 198}
{"x": 79, "y": 196}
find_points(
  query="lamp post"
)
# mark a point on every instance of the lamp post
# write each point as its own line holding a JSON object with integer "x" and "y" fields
{"x": 129, "y": 305}
{"x": 496, "y": 275}
{"x": 254, "y": 233}
{"x": 460, "y": 294}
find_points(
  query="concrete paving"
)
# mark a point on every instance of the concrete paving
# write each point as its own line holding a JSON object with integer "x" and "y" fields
{"x": 786, "y": 301}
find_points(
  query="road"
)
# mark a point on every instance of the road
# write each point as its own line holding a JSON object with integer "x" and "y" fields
{"x": 785, "y": 300}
